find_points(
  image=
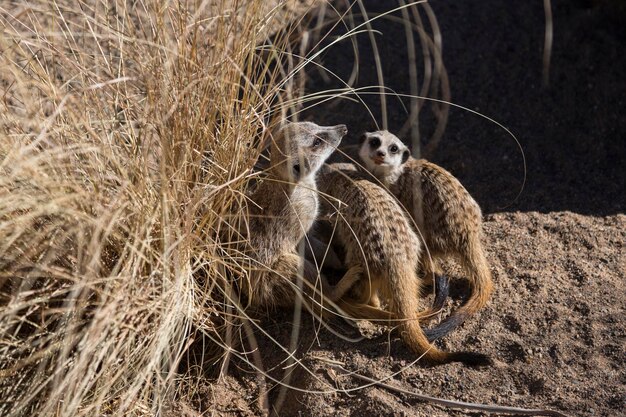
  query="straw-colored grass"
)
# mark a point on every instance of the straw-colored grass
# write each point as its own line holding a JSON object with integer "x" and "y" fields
{"x": 126, "y": 134}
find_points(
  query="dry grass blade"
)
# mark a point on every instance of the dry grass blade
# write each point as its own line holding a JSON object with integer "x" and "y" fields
{"x": 547, "y": 41}
{"x": 377, "y": 60}
{"x": 413, "y": 88}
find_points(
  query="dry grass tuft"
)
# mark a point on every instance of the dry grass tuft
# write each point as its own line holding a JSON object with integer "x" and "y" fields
{"x": 126, "y": 135}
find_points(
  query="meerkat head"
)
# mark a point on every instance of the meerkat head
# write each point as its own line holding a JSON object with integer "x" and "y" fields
{"x": 382, "y": 152}
{"x": 300, "y": 149}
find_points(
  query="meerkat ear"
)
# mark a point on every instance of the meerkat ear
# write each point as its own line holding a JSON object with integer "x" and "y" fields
{"x": 405, "y": 155}
{"x": 362, "y": 138}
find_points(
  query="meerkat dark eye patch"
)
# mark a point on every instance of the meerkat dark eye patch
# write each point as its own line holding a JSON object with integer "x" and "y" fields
{"x": 320, "y": 138}
{"x": 393, "y": 148}
{"x": 302, "y": 169}
{"x": 374, "y": 143}
{"x": 405, "y": 155}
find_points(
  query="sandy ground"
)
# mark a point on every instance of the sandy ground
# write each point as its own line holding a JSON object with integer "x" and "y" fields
{"x": 555, "y": 327}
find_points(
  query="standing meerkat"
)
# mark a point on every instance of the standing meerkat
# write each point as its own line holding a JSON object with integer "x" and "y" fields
{"x": 446, "y": 215}
{"x": 283, "y": 208}
{"x": 377, "y": 237}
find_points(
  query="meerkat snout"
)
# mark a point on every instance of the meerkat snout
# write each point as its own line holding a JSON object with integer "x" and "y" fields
{"x": 342, "y": 129}
{"x": 380, "y": 153}
{"x": 303, "y": 147}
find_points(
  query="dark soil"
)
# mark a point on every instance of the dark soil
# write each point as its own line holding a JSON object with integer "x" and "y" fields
{"x": 555, "y": 326}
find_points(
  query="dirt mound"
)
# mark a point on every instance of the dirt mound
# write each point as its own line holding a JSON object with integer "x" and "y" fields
{"x": 555, "y": 328}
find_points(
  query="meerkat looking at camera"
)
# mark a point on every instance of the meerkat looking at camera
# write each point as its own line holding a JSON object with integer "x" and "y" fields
{"x": 282, "y": 209}
{"x": 377, "y": 237}
{"x": 445, "y": 213}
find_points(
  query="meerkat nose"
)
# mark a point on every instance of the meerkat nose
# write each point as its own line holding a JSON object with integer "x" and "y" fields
{"x": 381, "y": 153}
{"x": 343, "y": 129}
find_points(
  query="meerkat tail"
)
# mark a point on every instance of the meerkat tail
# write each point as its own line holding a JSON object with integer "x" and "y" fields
{"x": 414, "y": 336}
{"x": 442, "y": 290}
{"x": 475, "y": 263}
{"x": 402, "y": 289}
{"x": 403, "y": 306}
{"x": 441, "y": 285}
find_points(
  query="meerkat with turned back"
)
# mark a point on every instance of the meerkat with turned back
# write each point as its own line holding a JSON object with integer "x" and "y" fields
{"x": 283, "y": 208}
{"x": 377, "y": 237}
{"x": 448, "y": 218}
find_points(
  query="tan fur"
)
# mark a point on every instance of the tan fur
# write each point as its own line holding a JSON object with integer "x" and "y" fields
{"x": 446, "y": 215}
{"x": 377, "y": 237}
{"x": 282, "y": 209}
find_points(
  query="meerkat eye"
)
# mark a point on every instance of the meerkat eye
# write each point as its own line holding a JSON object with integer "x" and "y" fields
{"x": 319, "y": 139}
{"x": 375, "y": 142}
{"x": 393, "y": 149}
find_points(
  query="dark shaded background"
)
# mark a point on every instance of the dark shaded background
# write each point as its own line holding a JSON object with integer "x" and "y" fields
{"x": 572, "y": 132}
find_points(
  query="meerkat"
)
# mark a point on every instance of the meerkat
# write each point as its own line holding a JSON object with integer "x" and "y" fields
{"x": 447, "y": 217}
{"x": 283, "y": 207}
{"x": 323, "y": 250}
{"x": 377, "y": 237}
